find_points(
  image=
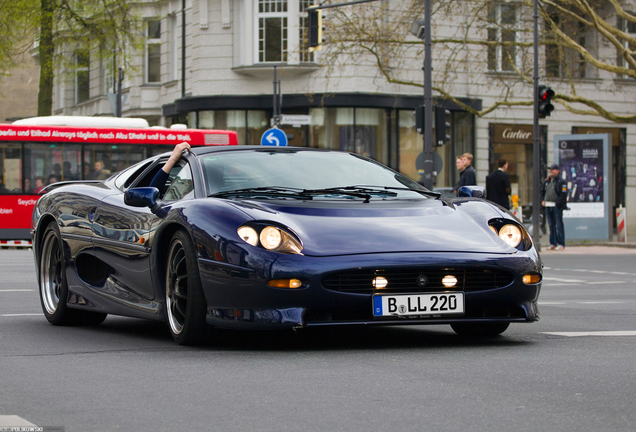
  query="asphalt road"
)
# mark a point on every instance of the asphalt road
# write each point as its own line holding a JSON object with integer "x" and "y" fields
{"x": 575, "y": 370}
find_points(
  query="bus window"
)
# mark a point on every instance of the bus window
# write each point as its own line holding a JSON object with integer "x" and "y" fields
{"x": 51, "y": 163}
{"x": 10, "y": 168}
{"x": 101, "y": 161}
{"x": 159, "y": 149}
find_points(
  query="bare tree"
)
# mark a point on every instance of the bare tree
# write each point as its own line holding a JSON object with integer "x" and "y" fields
{"x": 486, "y": 48}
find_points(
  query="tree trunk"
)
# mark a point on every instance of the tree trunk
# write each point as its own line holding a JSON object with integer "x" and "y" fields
{"x": 46, "y": 48}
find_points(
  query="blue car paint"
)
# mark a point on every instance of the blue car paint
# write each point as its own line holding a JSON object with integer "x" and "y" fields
{"x": 336, "y": 234}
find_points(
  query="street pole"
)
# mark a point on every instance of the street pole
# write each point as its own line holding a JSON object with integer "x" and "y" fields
{"x": 183, "y": 48}
{"x": 275, "y": 107}
{"x": 428, "y": 99}
{"x": 536, "y": 156}
{"x": 120, "y": 78}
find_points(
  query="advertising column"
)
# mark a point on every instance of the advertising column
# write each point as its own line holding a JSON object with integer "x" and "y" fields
{"x": 584, "y": 163}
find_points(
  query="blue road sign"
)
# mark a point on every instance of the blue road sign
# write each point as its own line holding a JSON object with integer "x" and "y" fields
{"x": 274, "y": 137}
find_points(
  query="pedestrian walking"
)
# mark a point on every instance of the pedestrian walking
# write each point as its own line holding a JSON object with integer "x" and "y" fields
{"x": 498, "y": 185}
{"x": 554, "y": 193}
{"x": 467, "y": 176}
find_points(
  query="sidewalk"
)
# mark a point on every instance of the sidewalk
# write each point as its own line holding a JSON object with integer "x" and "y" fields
{"x": 592, "y": 247}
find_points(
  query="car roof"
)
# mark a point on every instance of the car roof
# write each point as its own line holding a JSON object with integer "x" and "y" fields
{"x": 216, "y": 149}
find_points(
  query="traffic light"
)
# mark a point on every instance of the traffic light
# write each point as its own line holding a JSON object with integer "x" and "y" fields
{"x": 442, "y": 127}
{"x": 314, "y": 35}
{"x": 544, "y": 95}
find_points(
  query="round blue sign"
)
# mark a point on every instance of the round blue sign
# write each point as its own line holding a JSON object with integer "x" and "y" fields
{"x": 274, "y": 137}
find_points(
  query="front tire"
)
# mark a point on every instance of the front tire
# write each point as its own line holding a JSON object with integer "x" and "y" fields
{"x": 185, "y": 302}
{"x": 480, "y": 329}
{"x": 53, "y": 286}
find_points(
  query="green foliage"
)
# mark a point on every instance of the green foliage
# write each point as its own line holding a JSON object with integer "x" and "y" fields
{"x": 18, "y": 25}
{"x": 103, "y": 28}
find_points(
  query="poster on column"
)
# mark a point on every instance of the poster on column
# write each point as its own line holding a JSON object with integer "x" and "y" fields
{"x": 584, "y": 162}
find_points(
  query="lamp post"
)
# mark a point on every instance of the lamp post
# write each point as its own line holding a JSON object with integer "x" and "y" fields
{"x": 422, "y": 30}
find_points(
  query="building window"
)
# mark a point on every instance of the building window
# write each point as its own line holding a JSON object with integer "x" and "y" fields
{"x": 503, "y": 20}
{"x": 153, "y": 51}
{"x": 358, "y": 130}
{"x": 560, "y": 61}
{"x": 272, "y": 30}
{"x": 303, "y": 26}
{"x": 82, "y": 76}
{"x": 627, "y": 27}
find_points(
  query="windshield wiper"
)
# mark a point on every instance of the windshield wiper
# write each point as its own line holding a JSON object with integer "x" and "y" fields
{"x": 264, "y": 191}
{"x": 350, "y": 191}
{"x": 421, "y": 191}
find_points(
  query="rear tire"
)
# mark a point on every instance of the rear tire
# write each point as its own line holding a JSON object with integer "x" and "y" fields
{"x": 480, "y": 329}
{"x": 53, "y": 286}
{"x": 185, "y": 302}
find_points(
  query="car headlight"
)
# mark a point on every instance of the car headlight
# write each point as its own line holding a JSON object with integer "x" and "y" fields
{"x": 511, "y": 234}
{"x": 249, "y": 235}
{"x": 271, "y": 238}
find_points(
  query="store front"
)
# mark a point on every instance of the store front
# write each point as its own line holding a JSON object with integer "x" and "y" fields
{"x": 515, "y": 144}
{"x": 381, "y": 127}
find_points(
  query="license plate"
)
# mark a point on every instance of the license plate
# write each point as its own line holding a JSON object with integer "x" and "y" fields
{"x": 418, "y": 304}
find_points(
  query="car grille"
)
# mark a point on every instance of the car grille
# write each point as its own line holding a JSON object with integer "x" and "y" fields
{"x": 406, "y": 280}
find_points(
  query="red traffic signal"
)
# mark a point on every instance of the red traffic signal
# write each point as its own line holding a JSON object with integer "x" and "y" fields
{"x": 544, "y": 96}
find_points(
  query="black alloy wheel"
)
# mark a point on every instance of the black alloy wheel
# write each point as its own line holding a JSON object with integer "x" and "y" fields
{"x": 480, "y": 329}
{"x": 53, "y": 286}
{"x": 185, "y": 302}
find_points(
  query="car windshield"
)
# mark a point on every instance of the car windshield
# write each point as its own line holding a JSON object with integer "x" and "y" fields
{"x": 303, "y": 173}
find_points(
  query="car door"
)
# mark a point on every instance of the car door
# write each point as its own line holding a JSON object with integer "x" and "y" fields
{"x": 121, "y": 234}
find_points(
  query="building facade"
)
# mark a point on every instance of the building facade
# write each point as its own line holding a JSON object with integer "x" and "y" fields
{"x": 217, "y": 71}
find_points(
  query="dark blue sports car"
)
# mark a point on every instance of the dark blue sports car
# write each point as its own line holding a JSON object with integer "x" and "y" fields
{"x": 265, "y": 238}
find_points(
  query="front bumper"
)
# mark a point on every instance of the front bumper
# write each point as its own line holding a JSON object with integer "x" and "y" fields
{"x": 238, "y": 295}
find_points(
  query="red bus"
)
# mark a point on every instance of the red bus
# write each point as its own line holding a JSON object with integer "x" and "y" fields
{"x": 42, "y": 150}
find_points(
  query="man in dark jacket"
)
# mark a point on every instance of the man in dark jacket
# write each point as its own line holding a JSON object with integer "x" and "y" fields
{"x": 467, "y": 176}
{"x": 498, "y": 185}
{"x": 554, "y": 194}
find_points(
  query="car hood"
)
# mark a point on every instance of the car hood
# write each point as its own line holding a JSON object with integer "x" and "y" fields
{"x": 342, "y": 227}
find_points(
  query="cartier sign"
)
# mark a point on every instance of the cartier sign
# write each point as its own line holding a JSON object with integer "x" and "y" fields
{"x": 513, "y": 134}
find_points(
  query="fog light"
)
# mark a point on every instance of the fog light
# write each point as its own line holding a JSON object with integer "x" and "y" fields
{"x": 285, "y": 283}
{"x": 531, "y": 278}
{"x": 449, "y": 281}
{"x": 380, "y": 282}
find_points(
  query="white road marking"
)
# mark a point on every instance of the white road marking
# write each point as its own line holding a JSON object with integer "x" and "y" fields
{"x": 16, "y": 290}
{"x": 9, "y": 421}
{"x": 601, "y": 302}
{"x": 552, "y": 303}
{"x": 17, "y": 315}
{"x": 593, "y": 333}
{"x": 563, "y": 280}
{"x": 591, "y": 271}
{"x": 605, "y": 282}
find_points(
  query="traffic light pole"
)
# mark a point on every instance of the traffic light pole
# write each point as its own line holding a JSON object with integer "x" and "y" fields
{"x": 536, "y": 143}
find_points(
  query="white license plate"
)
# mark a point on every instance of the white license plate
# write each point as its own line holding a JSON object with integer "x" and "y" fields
{"x": 418, "y": 304}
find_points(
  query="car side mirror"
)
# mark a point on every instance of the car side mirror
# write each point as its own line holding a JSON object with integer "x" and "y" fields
{"x": 471, "y": 192}
{"x": 143, "y": 197}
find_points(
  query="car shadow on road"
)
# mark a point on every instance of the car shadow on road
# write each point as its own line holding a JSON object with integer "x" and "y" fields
{"x": 309, "y": 339}
{"x": 349, "y": 338}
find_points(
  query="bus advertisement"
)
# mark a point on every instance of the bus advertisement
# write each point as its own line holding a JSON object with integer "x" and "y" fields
{"x": 33, "y": 155}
